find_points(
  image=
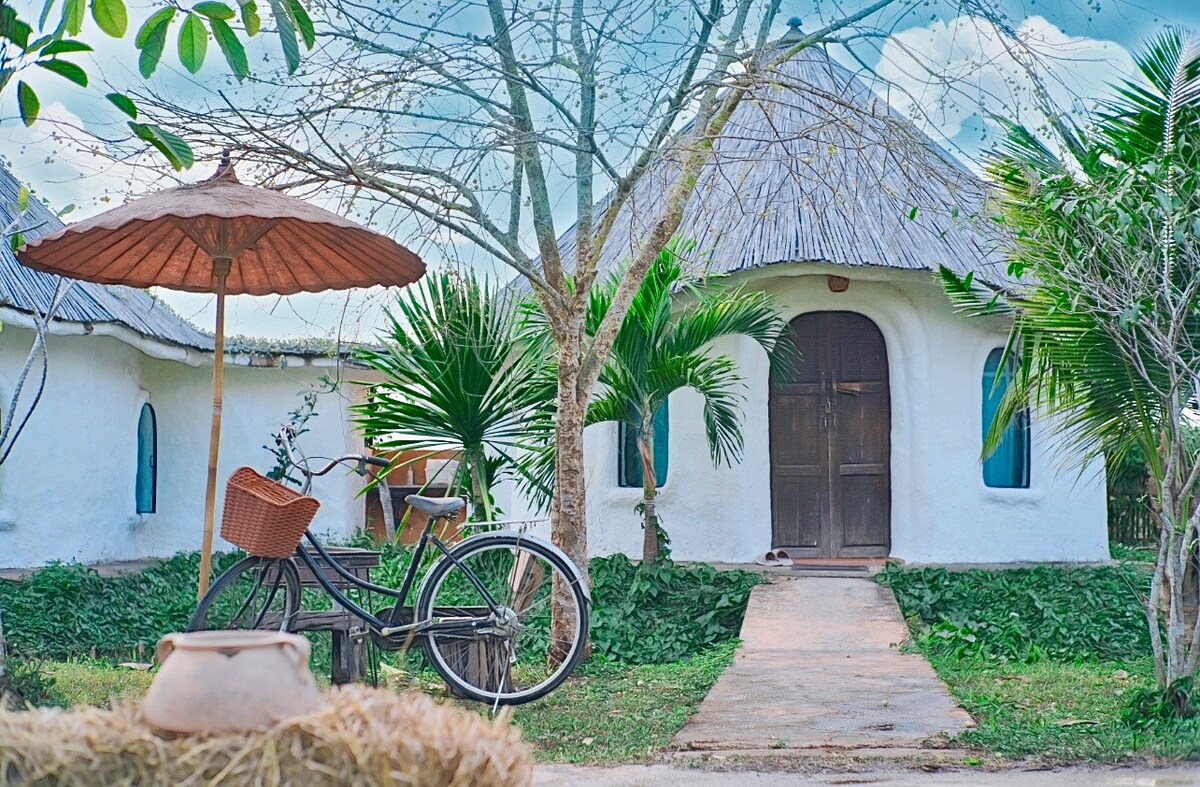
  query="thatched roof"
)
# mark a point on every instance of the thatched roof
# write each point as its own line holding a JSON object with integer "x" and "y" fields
{"x": 815, "y": 167}
{"x": 30, "y": 291}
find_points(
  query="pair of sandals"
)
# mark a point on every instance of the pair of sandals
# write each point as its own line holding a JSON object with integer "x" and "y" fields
{"x": 774, "y": 557}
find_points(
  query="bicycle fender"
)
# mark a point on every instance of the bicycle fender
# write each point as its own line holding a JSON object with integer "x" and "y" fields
{"x": 550, "y": 547}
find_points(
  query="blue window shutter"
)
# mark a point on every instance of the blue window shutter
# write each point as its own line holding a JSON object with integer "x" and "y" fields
{"x": 629, "y": 459}
{"x": 146, "y": 491}
{"x": 1008, "y": 466}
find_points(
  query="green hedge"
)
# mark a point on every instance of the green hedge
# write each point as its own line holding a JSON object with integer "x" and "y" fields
{"x": 642, "y": 614}
{"x": 1043, "y": 612}
{"x": 66, "y": 610}
{"x": 656, "y": 613}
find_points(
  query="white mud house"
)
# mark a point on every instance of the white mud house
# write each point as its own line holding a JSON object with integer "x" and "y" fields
{"x": 112, "y": 463}
{"x": 821, "y": 195}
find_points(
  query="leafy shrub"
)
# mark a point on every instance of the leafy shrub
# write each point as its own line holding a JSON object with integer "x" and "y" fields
{"x": 1151, "y": 706}
{"x": 1026, "y": 614}
{"x": 65, "y": 610}
{"x": 25, "y": 681}
{"x": 650, "y": 613}
{"x": 641, "y": 614}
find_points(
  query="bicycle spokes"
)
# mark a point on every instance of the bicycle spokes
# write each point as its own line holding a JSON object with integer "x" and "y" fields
{"x": 508, "y": 651}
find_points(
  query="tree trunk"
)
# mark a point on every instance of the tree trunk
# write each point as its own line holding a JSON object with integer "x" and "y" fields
{"x": 1175, "y": 637}
{"x": 568, "y": 511}
{"x": 3, "y": 647}
{"x": 482, "y": 495}
{"x": 650, "y": 545}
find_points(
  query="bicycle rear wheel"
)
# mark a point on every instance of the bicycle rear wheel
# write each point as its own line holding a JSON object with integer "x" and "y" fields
{"x": 511, "y": 657}
{"x": 256, "y": 593}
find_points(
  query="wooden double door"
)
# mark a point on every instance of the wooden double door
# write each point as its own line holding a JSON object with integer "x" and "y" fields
{"x": 831, "y": 441}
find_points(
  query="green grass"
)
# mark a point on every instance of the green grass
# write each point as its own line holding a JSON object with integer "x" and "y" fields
{"x": 1045, "y": 659}
{"x": 611, "y": 713}
{"x": 1057, "y": 713}
{"x": 94, "y": 683}
{"x": 605, "y": 713}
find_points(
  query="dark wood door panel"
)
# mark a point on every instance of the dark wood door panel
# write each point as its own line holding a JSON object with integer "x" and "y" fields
{"x": 830, "y": 432}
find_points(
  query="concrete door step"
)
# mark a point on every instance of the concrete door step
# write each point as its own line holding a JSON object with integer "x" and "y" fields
{"x": 822, "y": 571}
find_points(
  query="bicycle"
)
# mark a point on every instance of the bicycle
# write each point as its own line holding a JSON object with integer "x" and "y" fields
{"x": 482, "y": 611}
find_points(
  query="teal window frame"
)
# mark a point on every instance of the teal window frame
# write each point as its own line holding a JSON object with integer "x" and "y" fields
{"x": 1008, "y": 466}
{"x": 629, "y": 459}
{"x": 146, "y": 486}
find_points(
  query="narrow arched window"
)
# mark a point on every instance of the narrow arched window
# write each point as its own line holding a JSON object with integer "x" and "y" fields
{"x": 1008, "y": 465}
{"x": 629, "y": 458}
{"x": 146, "y": 491}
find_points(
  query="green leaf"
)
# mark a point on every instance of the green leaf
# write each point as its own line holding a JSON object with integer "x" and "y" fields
{"x": 156, "y": 20}
{"x": 63, "y": 46}
{"x": 27, "y": 102}
{"x": 250, "y": 18}
{"x": 124, "y": 104}
{"x": 235, "y": 53}
{"x": 152, "y": 50}
{"x": 193, "y": 43}
{"x": 111, "y": 16}
{"x": 214, "y": 10}
{"x": 46, "y": 9}
{"x": 66, "y": 70}
{"x": 15, "y": 30}
{"x": 23, "y": 199}
{"x": 304, "y": 22}
{"x": 72, "y": 16}
{"x": 287, "y": 35}
{"x": 16, "y": 241}
{"x": 176, "y": 151}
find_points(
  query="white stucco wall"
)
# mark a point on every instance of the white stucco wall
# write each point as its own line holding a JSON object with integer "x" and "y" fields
{"x": 67, "y": 491}
{"x": 941, "y": 511}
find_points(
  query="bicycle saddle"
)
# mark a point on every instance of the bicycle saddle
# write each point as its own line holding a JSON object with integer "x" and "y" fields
{"x": 436, "y": 507}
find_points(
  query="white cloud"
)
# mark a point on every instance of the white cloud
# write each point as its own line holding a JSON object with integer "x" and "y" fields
{"x": 945, "y": 73}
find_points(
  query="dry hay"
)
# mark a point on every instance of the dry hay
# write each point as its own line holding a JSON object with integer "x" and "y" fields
{"x": 361, "y": 736}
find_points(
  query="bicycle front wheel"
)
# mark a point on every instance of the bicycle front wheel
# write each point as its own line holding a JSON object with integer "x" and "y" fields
{"x": 256, "y": 593}
{"x": 515, "y": 654}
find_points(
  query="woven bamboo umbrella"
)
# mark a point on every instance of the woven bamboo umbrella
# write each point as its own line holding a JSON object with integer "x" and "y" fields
{"x": 223, "y": 237}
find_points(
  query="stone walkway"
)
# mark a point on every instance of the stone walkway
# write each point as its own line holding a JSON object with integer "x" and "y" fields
{"x": 820, "y": 668}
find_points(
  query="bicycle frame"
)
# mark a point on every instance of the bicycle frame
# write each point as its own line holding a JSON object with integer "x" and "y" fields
{"x": 392, "y": 625}
{"x": 382, "y": 626}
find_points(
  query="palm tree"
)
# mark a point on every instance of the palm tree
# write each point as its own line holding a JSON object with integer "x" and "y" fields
{"x": 664, "y": 345}
{"x": 1106, "y": 333}
{"x": 457, "y": 376}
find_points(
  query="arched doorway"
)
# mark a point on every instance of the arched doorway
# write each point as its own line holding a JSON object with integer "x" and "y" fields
{"x": 831, "y": 441}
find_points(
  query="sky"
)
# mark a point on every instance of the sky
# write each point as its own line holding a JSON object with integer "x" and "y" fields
{"x": 1089, "y": 42}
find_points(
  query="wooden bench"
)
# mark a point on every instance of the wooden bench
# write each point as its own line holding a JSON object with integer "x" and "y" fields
{"x": 349, "y": 632}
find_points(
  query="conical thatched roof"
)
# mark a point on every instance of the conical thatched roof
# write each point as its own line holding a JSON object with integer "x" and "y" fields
{"x": 32, "y": 291}
{"x": 815, "y": 167}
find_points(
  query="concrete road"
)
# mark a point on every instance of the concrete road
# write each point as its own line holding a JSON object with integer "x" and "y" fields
{"x": 675, "y": 776}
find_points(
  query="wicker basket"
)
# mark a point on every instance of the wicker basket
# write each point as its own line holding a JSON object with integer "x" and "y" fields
{"x": 264, "y": 518}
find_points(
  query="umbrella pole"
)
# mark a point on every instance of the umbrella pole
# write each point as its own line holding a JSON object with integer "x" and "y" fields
{"x": 220, "y": 272}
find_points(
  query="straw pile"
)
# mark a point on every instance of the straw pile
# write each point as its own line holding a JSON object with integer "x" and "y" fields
{"x": 361, "y": 736}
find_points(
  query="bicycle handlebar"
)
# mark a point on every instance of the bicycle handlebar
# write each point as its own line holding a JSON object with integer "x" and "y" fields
{"x": 285, "y": 438}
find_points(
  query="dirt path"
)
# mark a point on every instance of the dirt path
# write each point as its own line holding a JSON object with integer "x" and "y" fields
{"x": 820, "y": 668}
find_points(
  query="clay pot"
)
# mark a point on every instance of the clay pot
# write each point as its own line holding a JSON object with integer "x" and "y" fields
{"x": 222, "y": 681}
